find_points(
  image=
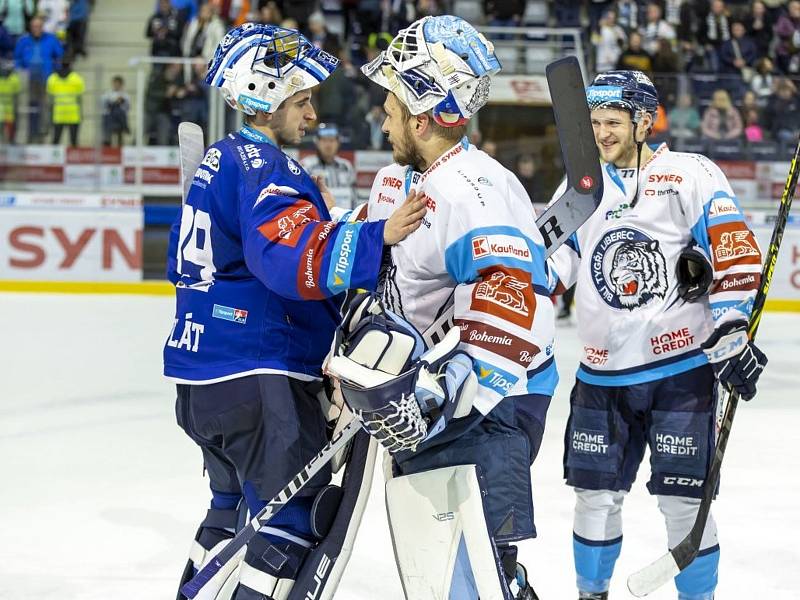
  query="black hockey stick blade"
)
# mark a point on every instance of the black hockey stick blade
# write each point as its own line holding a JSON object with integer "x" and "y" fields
{"x": 191, "y": 588}
{"x": 579, "y": 151}
{"x": 681, "y": 556}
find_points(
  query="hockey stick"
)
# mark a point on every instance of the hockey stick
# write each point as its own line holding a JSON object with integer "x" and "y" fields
{"x": 191, "y": 147}
{"x": 191, "y": 588}
{"x": 579, "y": 151}
{"x": 681, "y": 556}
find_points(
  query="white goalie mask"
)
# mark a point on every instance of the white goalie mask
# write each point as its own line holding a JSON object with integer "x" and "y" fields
{"x": 437, "y": 63}
{"x": 259, "y": 66}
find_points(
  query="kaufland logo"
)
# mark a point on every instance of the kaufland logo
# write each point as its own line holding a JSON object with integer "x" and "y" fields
{"x": 480, "y": 246}
{"x": 500, "y": 245}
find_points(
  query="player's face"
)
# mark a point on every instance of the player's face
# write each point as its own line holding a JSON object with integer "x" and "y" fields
{"x": 613, "y": 134}
{"x": 293, "y": 117}
{"x": 397, "y": 126}
{"x": 328, "y": 147}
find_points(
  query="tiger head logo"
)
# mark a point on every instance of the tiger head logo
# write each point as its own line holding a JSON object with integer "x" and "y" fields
{"x": 638, "y": 273}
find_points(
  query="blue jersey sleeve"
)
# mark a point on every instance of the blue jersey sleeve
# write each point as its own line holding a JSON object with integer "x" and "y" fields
{"x": 294, "y": 247}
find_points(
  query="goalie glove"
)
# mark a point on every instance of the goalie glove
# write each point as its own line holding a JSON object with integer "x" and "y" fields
{"x": 736, "y": 360}
{"x": 401, "y": 396}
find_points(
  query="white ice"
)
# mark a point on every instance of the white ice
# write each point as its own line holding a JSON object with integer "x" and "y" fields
{"x": 101, "y": 492}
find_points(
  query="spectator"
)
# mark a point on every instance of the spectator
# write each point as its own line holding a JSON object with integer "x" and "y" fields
{"x": 759, "y": 24}
{"x": 318, "y": 32}
{"x": 738, "y": 55}
{"x": 753, "y": 132}
{"x": 186, "y": 9}
{"x": 16, "y": 15}
{"x": 165, "y": 28}
{"x": 568, "y": 13}
{"x": 629, "y": 15}
{"x": 530, "y": 179}
{"x": 783, "y": 111}
{"x": 750, "y": 102}
{"x": 717, "y": 31}
{"x": 162, "y": 109}
{"x": 634, "y": 58}
{"x": 503, "y": 13}
{"x": 597, "y": 10}
{"x": 337, "y": 173}
{"x": 270, "y": 13}
{"x": 666, "y": 66}
{"x": 763, "y": 79}
{"x": 203, "y": 33}
{"x": 654, "y": 29}
{"x": 54, "y": 13}
{"x": 10, "y": 88}
{"x": 661, "y": 123}
{"x": 192, "y": 97}
{"x": 300, "y": 10}
{"x": 721, "y": 120}
{"x": 116, "y": 106}
{"x": 609, "y": 40}
{"x": 428, "y": 8}
{"x": 37, "y": 53}
{"x": 684, "y": 120}
{"x": 66, "y": 88}
{"x": 787, "y": 29}
{"x": 7, "y": 42}
{"x": 78, "y": 18}
{"x": 490, "y": 147}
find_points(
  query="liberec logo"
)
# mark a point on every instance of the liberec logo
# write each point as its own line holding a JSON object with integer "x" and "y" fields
{"x": 628, "y": 269}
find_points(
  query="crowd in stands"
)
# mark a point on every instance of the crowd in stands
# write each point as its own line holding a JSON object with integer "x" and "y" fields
{"x": 727, "y": 70}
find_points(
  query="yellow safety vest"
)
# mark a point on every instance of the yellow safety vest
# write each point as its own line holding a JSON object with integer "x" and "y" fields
{"x": 66, "y": 93}
{"x": 9, "y": 87}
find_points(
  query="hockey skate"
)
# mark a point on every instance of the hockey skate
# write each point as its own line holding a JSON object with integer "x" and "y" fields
{"x": 592, "y": 595}
{"x": 524, "y": 591}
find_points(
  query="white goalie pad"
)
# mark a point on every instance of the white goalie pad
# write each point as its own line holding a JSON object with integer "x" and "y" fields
{"x": 441, "y": 540}
{"x": 223, "y": 584}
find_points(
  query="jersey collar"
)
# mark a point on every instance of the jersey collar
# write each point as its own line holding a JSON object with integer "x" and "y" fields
{"x": 254, "y": 135}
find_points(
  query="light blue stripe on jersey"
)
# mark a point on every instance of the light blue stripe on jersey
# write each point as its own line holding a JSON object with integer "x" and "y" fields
{"x": 699, "y": 580}
{"x": 643, "y": 374}
{"x": 700, "y": 235}
{"x": 594, "y": 562}
{"x": 463, "y": 265}
{"x": 494, "y": 378}
{"x": 612, "y": 172}
{"x": 544, "y": 379}
{"x": 341, "y": 265}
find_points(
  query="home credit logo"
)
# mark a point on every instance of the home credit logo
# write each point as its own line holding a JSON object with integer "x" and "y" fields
{"x": 505, "y": 246}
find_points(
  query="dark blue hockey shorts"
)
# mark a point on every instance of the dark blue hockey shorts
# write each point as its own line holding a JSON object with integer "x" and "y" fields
{"x": 609, "y": 427}
{"x": 503, "y": 444}
{"x": 259, "y": 429}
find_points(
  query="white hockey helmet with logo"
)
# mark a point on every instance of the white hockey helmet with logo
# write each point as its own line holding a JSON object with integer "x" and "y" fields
{"x": 437, "y": 63}
{"x": 259, "y": 66}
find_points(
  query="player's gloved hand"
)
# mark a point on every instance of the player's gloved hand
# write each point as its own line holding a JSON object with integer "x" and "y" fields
{"x": 401, "y": 396}
{"x": 736, "y": 360}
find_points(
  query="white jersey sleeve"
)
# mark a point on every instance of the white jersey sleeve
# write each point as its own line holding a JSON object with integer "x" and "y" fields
{"x": 718, "y": 226}
{"x": 562, "y": 266}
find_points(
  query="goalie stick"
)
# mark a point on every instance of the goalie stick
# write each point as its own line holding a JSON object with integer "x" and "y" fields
{"x": 561, "y": 220}
{"x": 657, "y": 573}
{"x": 191, "y": 148}
{"x": 579, "y": 151}
{"x": 191, "y": 588}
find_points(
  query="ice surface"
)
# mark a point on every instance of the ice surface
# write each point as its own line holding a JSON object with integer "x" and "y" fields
{"x": 102, "y": 492}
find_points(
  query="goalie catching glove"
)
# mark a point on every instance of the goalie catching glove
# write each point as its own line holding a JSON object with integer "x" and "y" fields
{"x": 402, "y": 394}
{"x": 736, "y": 360}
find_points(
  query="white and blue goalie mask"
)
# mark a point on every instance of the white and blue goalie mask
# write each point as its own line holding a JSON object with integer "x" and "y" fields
{"x": 257, "y": 67}
{"x": 438, "y": 63}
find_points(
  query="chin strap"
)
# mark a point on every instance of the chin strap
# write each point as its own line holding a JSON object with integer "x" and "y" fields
{"x": 638, "y": 163}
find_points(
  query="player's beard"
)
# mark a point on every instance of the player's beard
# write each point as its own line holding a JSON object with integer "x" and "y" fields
{"x": 284, "y": 134}
{"x": 407, "y": 152}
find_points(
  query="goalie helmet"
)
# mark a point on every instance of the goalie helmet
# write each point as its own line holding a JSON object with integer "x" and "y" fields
{"x": 437, "y": 63}
{"x": 626, "y": 90}
{"x": 259, "y": 66}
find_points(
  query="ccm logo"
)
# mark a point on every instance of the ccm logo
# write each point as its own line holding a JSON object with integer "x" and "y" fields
{"x": 690, "y": 481}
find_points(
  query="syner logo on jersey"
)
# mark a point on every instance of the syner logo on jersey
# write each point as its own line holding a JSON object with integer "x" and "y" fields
{"x": 628, "y": 268}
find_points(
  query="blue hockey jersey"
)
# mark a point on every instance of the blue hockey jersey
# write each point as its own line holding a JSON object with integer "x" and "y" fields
{"x": 260, "y": 267}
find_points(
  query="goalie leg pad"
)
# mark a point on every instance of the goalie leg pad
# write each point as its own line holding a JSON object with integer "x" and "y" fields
{"x": 215, "y": 531}
{"x": 441, "y": 538}
{"x": 269, "y": 569}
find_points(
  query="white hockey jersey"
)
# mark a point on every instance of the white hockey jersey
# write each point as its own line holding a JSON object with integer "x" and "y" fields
{"x": 633, "y": 326}
{"x": 479, "y": 257}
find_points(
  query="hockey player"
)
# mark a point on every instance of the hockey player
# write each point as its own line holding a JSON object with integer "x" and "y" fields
{"x": 666, "y": 273}
{"x": 337, "y": 172}
{"x": 260, "y": 269}
{"x": 462, "y": 443}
